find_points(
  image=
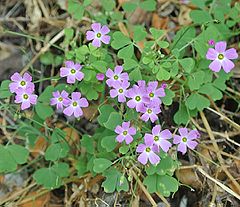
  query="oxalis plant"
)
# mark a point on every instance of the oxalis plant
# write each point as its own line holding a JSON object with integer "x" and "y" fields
{"x": 132, "y": 78}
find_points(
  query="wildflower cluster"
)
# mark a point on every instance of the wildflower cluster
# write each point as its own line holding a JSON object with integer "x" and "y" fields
{"x": 24, "y": 89}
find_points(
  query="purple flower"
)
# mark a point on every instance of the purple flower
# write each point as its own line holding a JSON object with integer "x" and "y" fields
{"x": 221, "y": 57}
{"x": 116, "y": 76}
{"x": 75, "y": 105}
{"x": 125, "y": 132}
{"x": 60, "y": 99}
{"x": 148, "y": 152}
{"x": 163, "y": 85}
{"x": 100, "y": 76}
{"x": 20, "y": 82}
{"x": 186, "y": 139}
{"x": 211, "y": 42}
{"x": 155, "y": 93}
{"x": 159, "y": 138}
{"x": 98, "y": 34}
{"x": 25, "y": 97}
{"x": 138, "y": 97}
{"x": 150, "y": 112}
{"x": 71, "y": 71}
{"x": 119, "y": 90}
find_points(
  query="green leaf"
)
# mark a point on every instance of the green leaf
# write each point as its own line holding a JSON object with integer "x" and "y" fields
{"x": 100, "y": 65}
{"x": 129, "y": 6}
{"x": 168, "y": 99}
{"x": 181, "y": 116}
{"x": 87, "y": 143}
{"x": 101, "y": 164}
{"x": 163, "y": 74}
{"x": 105, "y": 112}
{"x": 4, "y": 89}
{"x": 110, "y": 183}
{"x": 187, "y": 64}
{"x": 135, "y": 75}
{"x": 126, "y": 52}
{"x": 124, "y": 149}
{"x": 75, "y": 9}
{"x": 81, "y": 166}
{"x": 166, "y": 184}
{"x": 113, "y": 120}
{"x": 163, "y": 44}
{"x": 151, "y": 182}
{"x": 148, "y": 5}
{"x": 212, "y": 91}
{"x": 56, "y": 151}
{"x": 108, "y": 5}
{"x": 120, "y": 40}
{"x": 195, "y": 80}
{"x": 200, "y": 16}
{"x": 58, "y": 135}
{"x": 183, "y": 37}
{"x": 43, "y": 111}
{"x": 200, "y": 4}
{"x": 46, "y": 94}
{"x": 156, "y": 33}
{"x": 109, "y": 143}
{"x": 197, "y": 101}
{"x": 122, "y": 183}
{"x": 68, "y": 32}
{"x": 51, "y": 178}
{"x": 47, "y": 58}
{"x": 139, "y": 33}
{"x": 129, "y": 64}
{"x": 11, "y": 156}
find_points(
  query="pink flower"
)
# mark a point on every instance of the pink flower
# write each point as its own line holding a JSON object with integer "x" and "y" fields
{"x": 125, "y": 132}
{"x": 138, "y": 97}
{"x": 21, "y": 82}
{"x": 148, "y": 152}
{"x": 186, "y": 139}
{"x": 160, "y": 138}
{"x": 100, "y": 76}
{"x": 221, "y": 57}
{"x": 60, "y": 99}
{"x": 155, "y": 93}
{"x": 211, "y": 42}
{"x": 98, "y": 35}
{"x": 116, "y": 76}
{"x": 120, "y": 90}
{"x": 72, "y": 72}
{"x": 25, "y": 97}
{"x": 75, "y": 105}
{"x": 150, "y": 112}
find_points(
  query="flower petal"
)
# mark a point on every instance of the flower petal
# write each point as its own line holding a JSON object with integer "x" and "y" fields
{"x": 211, "y": 54}
{"x": 228, "y": 65}
{"x": 105, "y": 39}
{"x": 141, "y": 148}
{"x": 105, "y": 30}
{"x": 220, "y": 47}
{"x": 16, "y": 77}
{"x": 231, "y": 54}
{"x": 182, "y": 148}
{"x": 215, "y": 66}
{"x": 96, "y": 43}
{"x": 165, "y": 145}
{"x": 68, "y": 111}
{"x": 143, "y": 158}
{"x": 183, "y": 132}
{"x": 90, "y": 35}
{"x": 96, "y": 27}
{"x": 153, "y": 158}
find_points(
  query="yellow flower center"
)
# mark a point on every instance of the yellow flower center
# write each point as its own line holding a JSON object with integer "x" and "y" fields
{"x": 137, "y": 98}
{"x": 25, "y": 96}
{"x": 99, "y": 35}
{"x": 148, "y": 149}
{"x": 120, "y": 90}
{"x": 115, "y": 77}
{"x": 60, "y": 99}
{"x": 74, "y": 103}
{"x": 184, "y": 139}
{"x": 220, "y": 56}
{"x": 149, "y": 111}
{"x": 125, "y": 133}
{"x": 22, "y": 83}
{"x": 151, "y": 94}
{"x": 156, "y": 138}
{"x": 73, "y": 71}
